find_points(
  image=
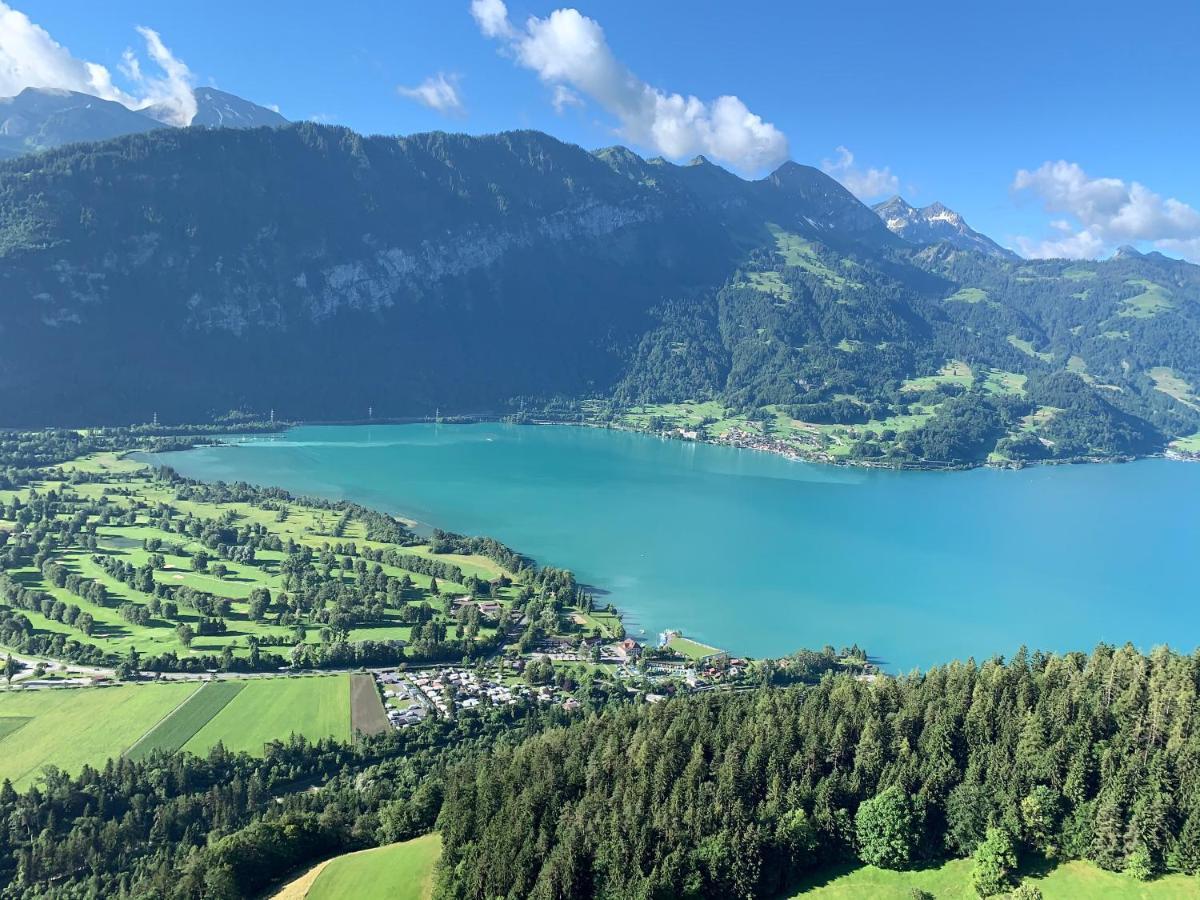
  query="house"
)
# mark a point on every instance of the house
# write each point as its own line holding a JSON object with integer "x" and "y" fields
{"x": 629, "y": 649}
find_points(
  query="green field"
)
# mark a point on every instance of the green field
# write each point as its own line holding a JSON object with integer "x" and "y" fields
{"x": 952, "y": 881}
{"x": 953, "y": 372}
{"x": 1189, "y": 444}
{"x": 801, "y": 254}
{"x": 187, "y": 719}
{"x": 71, "y": 727}
{"x": 689, "y": 648}
{"x": 997, "y": 381}
{"x": 397, "y": 872}
{"x": 9, "y": 724}
{"x": 1153, "y": 299}
{"x": 1169, "y": 382}
{"x": 270, "y": 709}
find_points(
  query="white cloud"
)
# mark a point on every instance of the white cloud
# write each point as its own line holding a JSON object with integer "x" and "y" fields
{"x": 564, "y": 97}
{"x": 439, "y": 92}
{"x": 1079, "y": 245}
{"x": 1189, "y": 249}
{"x": 865, "y": 184}
{"x": 492, "y": 17}
{"x": 569, "y": 52}
{"x": 30, "y": 57}
{"x": 1104, "y": 212}
{"x": 172, "y": 91}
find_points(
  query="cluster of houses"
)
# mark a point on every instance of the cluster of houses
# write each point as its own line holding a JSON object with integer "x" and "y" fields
{"x": 404, "y": 703}
{"x": 563, "y": 650}
{"x": 749, "y": 440}
{"x": 411, "y": 696}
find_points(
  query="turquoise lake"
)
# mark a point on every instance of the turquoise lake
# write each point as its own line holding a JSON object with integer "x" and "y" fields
{"x": 761, "y": 555}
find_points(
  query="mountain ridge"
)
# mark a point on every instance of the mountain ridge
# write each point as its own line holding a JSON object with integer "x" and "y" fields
{"x": 39, "y": 119}
{"x": 187, "y": 272}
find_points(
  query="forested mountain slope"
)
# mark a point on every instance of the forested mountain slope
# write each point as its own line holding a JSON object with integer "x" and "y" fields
{"x": 318, "y": 272}
{"x": 1073, "y": 757}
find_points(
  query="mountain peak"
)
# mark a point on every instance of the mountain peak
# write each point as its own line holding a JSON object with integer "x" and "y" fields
{"x": 41, "y": 118}
{"x": 219, "y": 109}
{"x": 933, "y": 224}
{"x": 819, "y": 206}
{"x": 894, "y": 203}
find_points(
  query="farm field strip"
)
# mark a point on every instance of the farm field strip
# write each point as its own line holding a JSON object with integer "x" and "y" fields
{"x": 9, "y": 724}
{"x": 73, "y": 727}
{"x": 269, "y": 709}
{"x": 367, "y": 715}
{"x": 182, "y": 723}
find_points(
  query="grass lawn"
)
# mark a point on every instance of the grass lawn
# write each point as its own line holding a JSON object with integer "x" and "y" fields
{"x": 401, "y": 871}
{"x": 689, "y": 648}
{"x": 189, "y": 717}
{"x": 268, "y": 709}
{"x": 72, "y": 726}
{"x": 952, "y": 881}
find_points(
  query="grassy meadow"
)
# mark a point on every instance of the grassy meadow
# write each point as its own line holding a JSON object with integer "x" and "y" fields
{"x": 71, "y": 727}
{"x": 952, "y": 881}
{"x": 269, "y": 709}
{"x": 401, "y": 871}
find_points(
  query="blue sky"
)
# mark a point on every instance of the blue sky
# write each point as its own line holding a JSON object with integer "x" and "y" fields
{"x": 946, "y": 101}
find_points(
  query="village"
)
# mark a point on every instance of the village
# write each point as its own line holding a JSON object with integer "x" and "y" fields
{"x": 675, "y": 664}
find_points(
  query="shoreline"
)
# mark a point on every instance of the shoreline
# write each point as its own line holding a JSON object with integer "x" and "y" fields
{"x": 784, "y": 451}
{"x": 693, "y": 624}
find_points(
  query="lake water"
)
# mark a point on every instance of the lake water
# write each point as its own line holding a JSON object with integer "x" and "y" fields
{"x": 761, "y": 555}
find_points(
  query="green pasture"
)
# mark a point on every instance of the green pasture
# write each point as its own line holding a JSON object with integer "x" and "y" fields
{"x": 401, "y": 871}
{"x": 270, "y": 709}
{"x": 952, "y": 881}
{"x": 71, "y": 727}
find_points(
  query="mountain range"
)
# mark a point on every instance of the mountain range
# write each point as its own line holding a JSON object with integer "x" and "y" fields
{"x": 42, "y": 118}
{"x": 309, "y": 269}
